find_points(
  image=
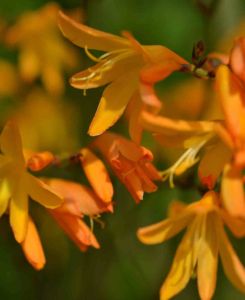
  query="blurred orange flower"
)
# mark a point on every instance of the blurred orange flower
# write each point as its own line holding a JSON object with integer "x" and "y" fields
{"x": 43, "y": 53}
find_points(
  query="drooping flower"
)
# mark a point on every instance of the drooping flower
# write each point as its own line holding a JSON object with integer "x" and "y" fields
{"x": 124, "y": 62}
{"x": 43, "y": 54}
{"x": 131, "y": 163}
{"x": 204, "y": 240}
{"x": 16, "y": 184}
{"x": 79, "y": 201}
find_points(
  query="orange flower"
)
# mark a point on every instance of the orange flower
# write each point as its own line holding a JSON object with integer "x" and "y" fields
{"x": 198, "y": 251}
{"x": 130, "y": 162}
{"x": 120, "y": 67}
{"x": 78, "y": 202}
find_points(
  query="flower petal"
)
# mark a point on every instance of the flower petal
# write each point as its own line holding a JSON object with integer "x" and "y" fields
{"x": 77, "y": 230}
{"x": 78, "y": 199}
{"x": 207, "y": 259}
{"x": 232, "y": 191}
{"x": 212, "y": 164}
{"x": 19, "y": 211}
{"x": 10, "y": 141}
{"x": 159, "y": 124}
{"x": 106, "y": 70}
{"x": 183, "y": 264}
{"x": 233, "y": 268}
{"x": 232, "y": 98}
{"x": 41, "y": 192}
{"x": 32, "y": 247}
{"x": 84, "y": 36}
{"x": 164, "y": 230}
{"x": 5, "y": 194}
{"x": 101, "y": 183}
{"x": 236, "y": 225}
{"x": 113, "y": 103}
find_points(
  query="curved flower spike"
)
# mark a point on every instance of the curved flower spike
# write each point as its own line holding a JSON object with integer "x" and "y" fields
{"x": 130, "y": 162}
{"x": 16, "y": 184}
{"x": 198, "y": 251}
{"x": 79, "y": 201}
{"x": 119, "y": 67}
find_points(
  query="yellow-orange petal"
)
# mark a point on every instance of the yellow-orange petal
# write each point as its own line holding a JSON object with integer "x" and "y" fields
{"x": 42, "y": 193}
{"x": 78, "y": 199}
{"x": 10, "y": 142}
{"x": 207, "y": 261}
{"x": 100, "y": 182}
{"x": 231, "y": 97}
{"x": 106, "y": 70}
{"x": 236, "y": 225}
{"x": 19, "y": 212}
{"x": 183, "y": 265}
{"x": 113, "y": 103}
{"x": 84, "y": 36}
{"x": 212, "y": 163}
{"x": 32, "y": 247}
{"x": 152, "y": 73}
{"x": 163, "y": 125}
{"x": 232, "y": 191}
{"x": 5, "y": 194}
{"x": 232, "y": 266}
{"x": 164, "y": 230}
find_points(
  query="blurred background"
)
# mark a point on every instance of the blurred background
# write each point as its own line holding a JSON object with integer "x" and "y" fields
{"x": 35, "y": 65}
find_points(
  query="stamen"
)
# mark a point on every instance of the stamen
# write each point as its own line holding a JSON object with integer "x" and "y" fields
{"x": 186, "y": 160}
{"x": 90, "y": 55}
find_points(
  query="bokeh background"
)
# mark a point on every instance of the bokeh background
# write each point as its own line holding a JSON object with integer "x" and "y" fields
{"x": 53, "y": 116}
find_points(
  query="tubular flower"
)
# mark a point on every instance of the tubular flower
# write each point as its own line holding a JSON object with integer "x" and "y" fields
{"x": 100, "y": 183}
{"x": 78, "y": 202}
{"x": 42, "y": 51}
{"x": 32, "y": 246}
{"x": 131, "y": 163}
{"x": 204, "y": 240}
{"x": 120, "y": 67}
{"x": 16, "y": 184}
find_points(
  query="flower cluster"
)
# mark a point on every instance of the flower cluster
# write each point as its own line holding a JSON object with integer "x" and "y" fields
{"x": 214, "y": 142}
